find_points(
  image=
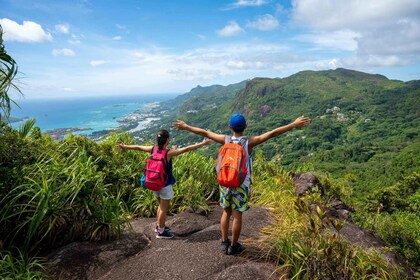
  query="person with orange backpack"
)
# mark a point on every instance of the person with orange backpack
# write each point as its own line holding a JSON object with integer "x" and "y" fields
{"x": 158, "y": 174}
{"x": 233, "y": 166}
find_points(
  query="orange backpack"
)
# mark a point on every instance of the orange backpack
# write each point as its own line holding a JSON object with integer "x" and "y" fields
{"x": 231, "y": 163}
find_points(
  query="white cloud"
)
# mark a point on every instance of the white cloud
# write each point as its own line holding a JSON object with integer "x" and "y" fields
{"x": 98, "y": 62}
{"x": 238, "y": 64}
{"x": 373, "y": 61}
{"x": 264, "y": 23}
{"x": 231, "y": 29}
{"x": 380, "y": 33}
{"x": 248, "y": 3}
{"x": 62, "y": 28}
{"x": 352, "y": 14}
{"x": 345, "y": 40}
{"x": 328, "y": 64}
{"x": 116, "y": 38}
{"x": 156, "y": 70}
{"x": 63, "y": 52}
{"x": 28, "y": 32}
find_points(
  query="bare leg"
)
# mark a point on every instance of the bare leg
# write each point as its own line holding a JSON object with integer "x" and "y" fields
{"x": 236, "y": 226}
{"x": 162, "y": 210}
{"x": 224, "y": 223}
{"x": 158, "y": 210}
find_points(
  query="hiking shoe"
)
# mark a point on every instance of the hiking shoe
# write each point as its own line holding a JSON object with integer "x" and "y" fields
{"x": 166, "y": 234}
{"x": 166, "y": 228}
{"x": 224, "y": 245}
{"x": 233, "y": 250}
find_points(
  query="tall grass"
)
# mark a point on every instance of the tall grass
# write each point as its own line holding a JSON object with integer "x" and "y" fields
{"x": 303, "y": 241}
{"x": 20, "y": 267}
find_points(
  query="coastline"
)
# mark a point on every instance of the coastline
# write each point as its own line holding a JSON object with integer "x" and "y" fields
{"x": 131, "y": 123}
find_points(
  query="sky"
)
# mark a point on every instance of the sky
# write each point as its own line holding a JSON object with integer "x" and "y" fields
{"x": 105, "y": 47}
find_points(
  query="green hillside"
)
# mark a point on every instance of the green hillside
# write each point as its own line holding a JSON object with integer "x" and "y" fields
{"x": 364, "y": 136}
{"x": 201, "y": 98}
{"x": 358, "y": 119}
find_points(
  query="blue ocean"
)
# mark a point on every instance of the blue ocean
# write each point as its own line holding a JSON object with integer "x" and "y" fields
{"x": 96, "y": 113}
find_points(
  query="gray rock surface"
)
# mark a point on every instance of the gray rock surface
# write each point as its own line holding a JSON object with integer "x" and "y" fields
{"x": 305, "y": 182}
{"x": 193, "y": 254}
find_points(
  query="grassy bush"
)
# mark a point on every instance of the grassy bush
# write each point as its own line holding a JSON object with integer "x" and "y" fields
{"x": 303, "y": 242}
{"x": 21, "y": 267}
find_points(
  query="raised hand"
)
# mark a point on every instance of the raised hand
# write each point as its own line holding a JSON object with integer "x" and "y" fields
{"x": 179, "y": 125}
{"x": 301, "y": 121}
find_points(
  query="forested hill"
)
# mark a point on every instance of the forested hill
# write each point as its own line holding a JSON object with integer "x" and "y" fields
{"x": 200, "y": 98}
{"x": 362, "y": 124}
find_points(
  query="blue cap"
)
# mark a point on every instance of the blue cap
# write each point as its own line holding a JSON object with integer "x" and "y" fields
{"x": 237, "y": 122}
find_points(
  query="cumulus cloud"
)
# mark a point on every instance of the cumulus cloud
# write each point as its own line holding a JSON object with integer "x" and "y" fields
{"x": 28, "y": 32}
{"x": 328, "y": 64}
{"x": 264, "y": 23}
{"x": 231, "y": 29}
{"x": 63, "y": 52}
{"x": 62, "y": 28}
{"x": 379, "y": 33}
{"x": 354, "y": 14}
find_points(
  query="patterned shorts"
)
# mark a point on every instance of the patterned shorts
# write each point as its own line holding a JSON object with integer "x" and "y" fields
{"x": 236, "y": 199}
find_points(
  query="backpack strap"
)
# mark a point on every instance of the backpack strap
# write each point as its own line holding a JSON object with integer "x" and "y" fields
{"x": 164, "y": 151}
{"x": 242, "y": 140}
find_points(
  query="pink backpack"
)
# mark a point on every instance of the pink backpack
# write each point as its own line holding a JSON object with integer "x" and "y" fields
{"x": 155, "y": 174}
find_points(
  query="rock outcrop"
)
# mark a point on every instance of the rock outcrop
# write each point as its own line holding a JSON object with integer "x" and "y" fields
{"x": 193, "y": 254}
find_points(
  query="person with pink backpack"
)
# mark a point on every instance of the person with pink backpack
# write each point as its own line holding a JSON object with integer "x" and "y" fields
{"x": 158, "y": 174}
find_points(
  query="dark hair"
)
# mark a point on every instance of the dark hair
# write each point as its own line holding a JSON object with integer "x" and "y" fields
{"x": 238, "y": 130}
{"x": 161, "y": 138}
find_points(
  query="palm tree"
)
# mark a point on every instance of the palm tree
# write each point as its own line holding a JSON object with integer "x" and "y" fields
{"x": 8, "y": 70}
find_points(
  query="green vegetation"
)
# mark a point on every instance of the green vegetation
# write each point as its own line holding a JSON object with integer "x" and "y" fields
{"x": 364, "y": 139}
{"x": 8, "y": 71}
{"x": 364, "y": 136}
{"x": 305, "y": 243}
{"x": 77, "y": 189}
{"x": 53, "y": 193}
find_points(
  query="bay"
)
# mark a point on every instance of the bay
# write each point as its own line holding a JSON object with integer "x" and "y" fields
{"x": 93, "y": 113}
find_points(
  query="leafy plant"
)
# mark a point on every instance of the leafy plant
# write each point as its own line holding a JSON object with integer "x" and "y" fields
{"x": 21, "y": 267}
{"x": 8, "y": 71}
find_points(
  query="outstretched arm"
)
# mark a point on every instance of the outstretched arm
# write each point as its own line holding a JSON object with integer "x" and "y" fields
{"x": 180, "y": 125}
{"x": 256, "y": 140}
{"x": 175, "y": 152}
{"x": 135, "y": 147}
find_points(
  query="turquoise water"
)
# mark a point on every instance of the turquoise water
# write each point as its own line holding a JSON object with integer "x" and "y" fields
{"x": 97, "y": 113}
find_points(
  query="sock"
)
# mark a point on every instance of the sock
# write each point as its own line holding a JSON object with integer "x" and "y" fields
{"x": 161, "y": 230}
